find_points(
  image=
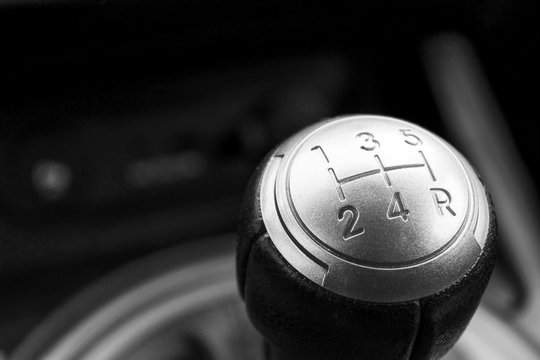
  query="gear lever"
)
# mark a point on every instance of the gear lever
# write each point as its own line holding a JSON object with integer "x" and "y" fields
{"x": 364, "y": 237}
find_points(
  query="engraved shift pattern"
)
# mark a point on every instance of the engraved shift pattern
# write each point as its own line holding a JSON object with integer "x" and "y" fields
{"x": 382, "y": 169}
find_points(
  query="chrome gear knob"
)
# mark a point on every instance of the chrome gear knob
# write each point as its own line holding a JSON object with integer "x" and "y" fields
{"x": 364, "y": 237}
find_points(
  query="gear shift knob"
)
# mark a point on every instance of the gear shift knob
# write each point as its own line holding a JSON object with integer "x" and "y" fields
{"x": 364, "y": 237}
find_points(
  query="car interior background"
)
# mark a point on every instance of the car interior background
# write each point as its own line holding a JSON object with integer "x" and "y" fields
{"x": 129, "y": 130}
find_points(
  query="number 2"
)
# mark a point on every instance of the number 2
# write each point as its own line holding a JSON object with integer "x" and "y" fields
{"x": 351, "y": 229}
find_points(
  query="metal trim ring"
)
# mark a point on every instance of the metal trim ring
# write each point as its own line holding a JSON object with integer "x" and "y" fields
{"x": 370, "y": 279}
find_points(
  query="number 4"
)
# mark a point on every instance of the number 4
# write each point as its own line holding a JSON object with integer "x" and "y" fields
{"x": 397, "y": 209}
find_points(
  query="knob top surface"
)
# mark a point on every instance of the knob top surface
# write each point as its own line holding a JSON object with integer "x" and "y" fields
{"x": 374, "y": 208}
{"x": 390, "y": 195}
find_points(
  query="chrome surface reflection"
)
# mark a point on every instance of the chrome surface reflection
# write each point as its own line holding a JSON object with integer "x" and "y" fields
{"x": 377, "y": 199}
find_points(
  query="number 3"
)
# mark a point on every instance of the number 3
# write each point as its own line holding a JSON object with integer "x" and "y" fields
{"x": 369, "y": 142}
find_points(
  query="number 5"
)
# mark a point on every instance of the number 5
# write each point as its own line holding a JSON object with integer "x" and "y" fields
{"x": 410, "y": 138}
